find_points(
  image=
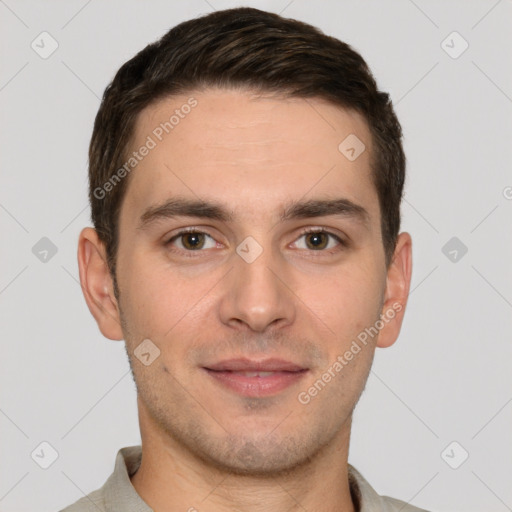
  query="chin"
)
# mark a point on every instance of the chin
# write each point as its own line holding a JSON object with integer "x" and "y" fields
{"x": 266, "y": 456}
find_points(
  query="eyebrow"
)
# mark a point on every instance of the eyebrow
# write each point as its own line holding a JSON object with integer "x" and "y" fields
{"x": 185, "y": 207}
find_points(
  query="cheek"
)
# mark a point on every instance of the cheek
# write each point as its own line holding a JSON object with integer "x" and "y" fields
{"x": 146, "y": 295}
{"x": 348, "y": 300}
{"x": 160, "y": 301}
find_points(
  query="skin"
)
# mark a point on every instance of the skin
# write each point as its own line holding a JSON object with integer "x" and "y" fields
{"x": 205, "y": 446}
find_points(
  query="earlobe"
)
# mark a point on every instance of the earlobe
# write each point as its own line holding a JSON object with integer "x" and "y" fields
{"x": 397, "y": 291}
{"x": 97, "y": 285}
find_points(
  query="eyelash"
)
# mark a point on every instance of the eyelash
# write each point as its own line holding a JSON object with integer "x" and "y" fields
{"x": 190, "y": 254}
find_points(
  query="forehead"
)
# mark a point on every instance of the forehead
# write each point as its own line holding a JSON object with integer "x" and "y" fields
{"x": 249, "y": 151}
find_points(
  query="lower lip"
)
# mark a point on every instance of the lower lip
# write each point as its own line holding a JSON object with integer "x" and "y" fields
{"x": 257, "y": 386}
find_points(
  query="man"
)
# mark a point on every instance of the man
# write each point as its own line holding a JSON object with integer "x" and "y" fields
{"x": 245, "y": 182}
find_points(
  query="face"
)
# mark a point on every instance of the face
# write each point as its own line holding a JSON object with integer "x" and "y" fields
{"x": 250, "y": 255}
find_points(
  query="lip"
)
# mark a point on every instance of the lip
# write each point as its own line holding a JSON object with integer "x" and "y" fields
{"x": 231, "y": 374}
{"x": 251, "y": 365}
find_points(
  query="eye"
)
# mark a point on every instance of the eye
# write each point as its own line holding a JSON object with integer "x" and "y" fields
{"x": 191, "y": 240}
{"x": 318, "y": 239}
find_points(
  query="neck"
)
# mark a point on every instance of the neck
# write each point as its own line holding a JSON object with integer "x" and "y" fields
{"x": 171, "y": 479}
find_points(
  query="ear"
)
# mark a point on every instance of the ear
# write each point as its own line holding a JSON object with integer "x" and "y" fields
{"x": 97, "y": 284}
{"x": 397, "y": 290}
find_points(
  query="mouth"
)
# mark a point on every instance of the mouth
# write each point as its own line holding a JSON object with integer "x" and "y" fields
{"x": 256, "y": 378}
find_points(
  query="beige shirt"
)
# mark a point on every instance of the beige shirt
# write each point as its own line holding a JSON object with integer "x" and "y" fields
{"x": 119, "y": 495}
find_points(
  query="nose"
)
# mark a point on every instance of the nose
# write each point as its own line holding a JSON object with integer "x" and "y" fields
{"x": 257, "y": 294}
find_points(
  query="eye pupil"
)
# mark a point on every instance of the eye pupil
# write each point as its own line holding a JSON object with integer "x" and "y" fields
{"x": 316, "y": 237}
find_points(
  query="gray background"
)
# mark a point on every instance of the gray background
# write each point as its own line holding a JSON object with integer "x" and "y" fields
{"x": 447, "y": 378}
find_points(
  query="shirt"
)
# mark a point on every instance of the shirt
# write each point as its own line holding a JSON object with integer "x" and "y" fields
{"x": 119, "y": 495}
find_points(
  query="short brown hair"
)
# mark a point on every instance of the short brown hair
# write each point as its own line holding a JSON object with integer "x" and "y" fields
{"x": 233, "y": 48}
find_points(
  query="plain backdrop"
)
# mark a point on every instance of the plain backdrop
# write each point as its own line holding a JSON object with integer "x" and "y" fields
{"x": 440, "y": 394}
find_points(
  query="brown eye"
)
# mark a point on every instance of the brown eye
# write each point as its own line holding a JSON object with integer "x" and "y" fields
{"x": 320, "y": 240}
{"x": 317, "y": 240}
{"x": 191, "y": 240}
